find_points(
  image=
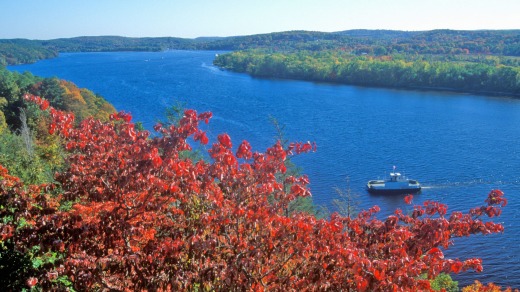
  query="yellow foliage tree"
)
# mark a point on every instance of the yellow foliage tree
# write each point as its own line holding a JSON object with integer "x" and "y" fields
{"x": 490, "y": 287}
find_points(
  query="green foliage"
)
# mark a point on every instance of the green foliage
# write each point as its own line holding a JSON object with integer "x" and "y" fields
{"x": 443, "y": 281}
{"x": 380, "y": 42}
{"x": 30, "y": 168}
{"x": 21, "y": 51}
{"x": 66, "y": 205}
{"x": 50, "y": 89}
{"x": 64, "y": 281}
{"x": 9, "y": 97}
{"x": 300, "y": 204}
{"x": 26, "y": 147}
{"x": 458, "y": 73}
{"x": 376, "y": 42}
{"x": 139, "y": 126}
{"x": 29, "y": 152}
{"x": 116, "y": 43}
{"x": 305, "y": 205}
{"x": 173, "y": 114}
{"x": 3, "y": 123}
{"x": 82, "y": 102}
{"x": 15, "y": 268}
{"x": 48, "y": 258}
{"x": 347, "y": 203}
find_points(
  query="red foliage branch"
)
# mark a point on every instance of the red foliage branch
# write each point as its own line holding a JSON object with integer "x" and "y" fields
{"x": 145, "y": 218}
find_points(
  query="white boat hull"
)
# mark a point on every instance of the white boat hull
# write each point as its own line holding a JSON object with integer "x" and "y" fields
{"x": 396, "y": 184}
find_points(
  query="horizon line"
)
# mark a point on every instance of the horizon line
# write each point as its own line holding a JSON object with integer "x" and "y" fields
{"x": 274, "y": 32}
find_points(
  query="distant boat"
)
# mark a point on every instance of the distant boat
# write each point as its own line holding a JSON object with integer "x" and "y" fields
{"x": 395, "y": 184}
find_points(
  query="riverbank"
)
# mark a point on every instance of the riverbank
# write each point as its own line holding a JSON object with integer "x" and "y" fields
{"x": 462, "y": 75}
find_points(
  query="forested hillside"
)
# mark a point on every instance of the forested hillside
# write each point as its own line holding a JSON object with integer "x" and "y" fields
{"x": 116, "y": 43}
{"x": 26, "y": 147}
{"x": 484, "y": 62}
{"x": 23, "y": 51}
{"x": 495, "y": 42}
{"x": 465, "y": 73}
{"x": 376, "y": 42}
{"x": 381, "y": 42}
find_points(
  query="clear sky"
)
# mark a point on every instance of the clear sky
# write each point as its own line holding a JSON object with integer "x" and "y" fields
{"x": 48, "y": 19}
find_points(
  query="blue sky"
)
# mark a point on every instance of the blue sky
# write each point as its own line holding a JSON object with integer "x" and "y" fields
{"x": 48, "y": 19}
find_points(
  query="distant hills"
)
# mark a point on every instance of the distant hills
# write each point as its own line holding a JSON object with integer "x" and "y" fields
{"x": 376, "y": 42}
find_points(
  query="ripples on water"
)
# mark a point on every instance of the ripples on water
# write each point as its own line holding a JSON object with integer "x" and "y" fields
{"x": 458, "y": 146}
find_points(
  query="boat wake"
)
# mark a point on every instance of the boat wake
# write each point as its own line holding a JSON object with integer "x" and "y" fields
{"x": 468, "y": 183}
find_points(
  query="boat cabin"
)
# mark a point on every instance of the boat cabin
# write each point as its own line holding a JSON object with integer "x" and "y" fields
{"x": 396, "y": 176}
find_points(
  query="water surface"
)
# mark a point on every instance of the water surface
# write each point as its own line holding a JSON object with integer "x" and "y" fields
{"x": 459, "y": 146}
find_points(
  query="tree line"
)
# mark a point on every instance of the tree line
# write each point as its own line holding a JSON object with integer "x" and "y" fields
{"x": 25, "y": 145}
{"x": 481, "y": 74}
{"x": 372, "y": 42}
{"x": 23, "y": 52}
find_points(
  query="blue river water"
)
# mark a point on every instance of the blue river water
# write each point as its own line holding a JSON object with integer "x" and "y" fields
{"x": 459, "y": 146}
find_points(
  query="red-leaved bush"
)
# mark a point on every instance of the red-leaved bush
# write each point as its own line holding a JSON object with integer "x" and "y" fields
{"x": 144, "y": 218}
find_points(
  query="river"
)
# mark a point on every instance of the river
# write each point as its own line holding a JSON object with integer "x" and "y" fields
{"x": 459, "y": 146}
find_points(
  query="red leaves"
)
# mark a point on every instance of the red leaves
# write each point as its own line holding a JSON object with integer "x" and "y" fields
{"x": 52, "y": 128}
{"x": 302, "y": 147}
{"x": 41, "y": 102}
{"x": 475, "y": 264}
{"x": 229, "y": 160}
{"x": 201, "y": 136}
{"x": 225, "y": 141}
{"x": 157, "y": 127}
{"x": 495, "y": 202}
{"x": 129, "y": 131}
{"x": 432, "y": 208}
{"x": 244, "y": 150}
{"x": 456, "y": 267}
{"x": 436, "y": 252}
{"x": 126, "y": 117}
{"x": 31, "y": 282}
{"x": 154, "y": 157}
{"x": 143, "y": 217}
{"x": 379, "y": 275}
{"x": 391, "y": 222}
{"x": 205, "y": 117}
{"x": 149, "y": 234}
{"x": 496, "y": 197}
{"x": 299, "y": 191}
{"x": 277, "y": 152}
{"x": 156, "y": 161}
{"x": 361, "y": 284}
{"x": 44, "y": 105}
{"x": 6, "y": 232}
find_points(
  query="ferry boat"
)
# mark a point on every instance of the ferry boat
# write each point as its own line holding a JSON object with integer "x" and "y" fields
{"x": 395, "y": 184}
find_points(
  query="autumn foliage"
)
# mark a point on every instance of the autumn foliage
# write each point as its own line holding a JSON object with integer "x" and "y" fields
{"x": 131, "y": 213}
{"x": 490, "y": 287}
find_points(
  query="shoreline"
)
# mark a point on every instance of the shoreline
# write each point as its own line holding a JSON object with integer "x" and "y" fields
{"x": 407, "y": 88}
{"x": 410, "y": 88}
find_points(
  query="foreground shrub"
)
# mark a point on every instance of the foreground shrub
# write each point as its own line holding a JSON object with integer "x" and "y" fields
{"x": 130, "y": 213}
